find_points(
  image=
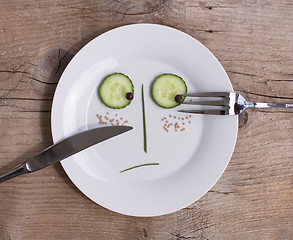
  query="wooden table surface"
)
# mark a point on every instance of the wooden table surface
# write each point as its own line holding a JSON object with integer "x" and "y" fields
{"x": 252, "y": 39}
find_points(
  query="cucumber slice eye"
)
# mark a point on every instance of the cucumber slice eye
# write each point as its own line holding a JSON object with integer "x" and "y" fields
{"x": 166, "y": 87}
{"x": 114, "y": 89}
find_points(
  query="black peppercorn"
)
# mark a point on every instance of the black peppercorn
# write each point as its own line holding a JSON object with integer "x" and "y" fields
{"x": 129, "y": 96}
{"x": 178, "y": 98}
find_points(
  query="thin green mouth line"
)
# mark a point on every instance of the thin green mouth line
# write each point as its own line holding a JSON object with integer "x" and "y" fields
{"x": 142, "y": 165}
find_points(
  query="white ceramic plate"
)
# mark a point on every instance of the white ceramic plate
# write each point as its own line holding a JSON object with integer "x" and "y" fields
{"x": 190, "y": 161}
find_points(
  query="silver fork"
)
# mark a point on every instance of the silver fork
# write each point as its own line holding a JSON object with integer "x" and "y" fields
{"x": 224, "y": 103}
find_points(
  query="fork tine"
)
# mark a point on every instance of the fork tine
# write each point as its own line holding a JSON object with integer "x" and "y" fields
{"x": 210, "y": 112}
{"x": 207, "y": 94}
{"x": 211, "y": 103}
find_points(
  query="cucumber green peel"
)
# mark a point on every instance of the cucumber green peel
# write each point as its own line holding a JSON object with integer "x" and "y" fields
{"x": 144, "y": 122}
{"x": 142, "y": 165}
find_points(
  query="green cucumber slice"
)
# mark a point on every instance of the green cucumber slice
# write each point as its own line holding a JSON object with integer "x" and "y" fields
{"x": 113, "y": 90}
{"x": 166, "y": 87}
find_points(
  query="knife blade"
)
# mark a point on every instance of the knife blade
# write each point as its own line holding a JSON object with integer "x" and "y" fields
{"x": 64, "y": 149}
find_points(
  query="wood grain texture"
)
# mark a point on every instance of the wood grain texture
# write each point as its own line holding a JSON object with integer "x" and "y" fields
{"x": 254, "y": 42}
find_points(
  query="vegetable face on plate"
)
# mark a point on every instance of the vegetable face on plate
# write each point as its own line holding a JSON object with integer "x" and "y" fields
{"x": 117, "y": 91}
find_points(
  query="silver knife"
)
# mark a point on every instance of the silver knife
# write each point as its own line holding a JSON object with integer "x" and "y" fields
{"x": 64, "y": 149}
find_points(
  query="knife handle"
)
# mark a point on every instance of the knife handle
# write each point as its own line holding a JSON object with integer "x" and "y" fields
{"x": 21, "y": 169}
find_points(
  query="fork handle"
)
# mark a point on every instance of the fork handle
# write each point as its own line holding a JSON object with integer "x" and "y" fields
{"x": 269, "y": 105}
{"x": 21, "y": 169}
